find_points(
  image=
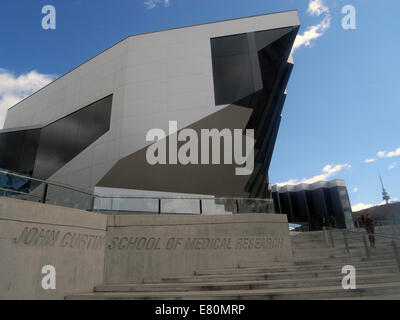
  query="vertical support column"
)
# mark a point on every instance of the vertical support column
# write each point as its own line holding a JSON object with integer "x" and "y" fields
{"x": 92, "y": 204}
{"x": 201, "y": 206}
{"x": 290, "y": 213}
{"x": 44, "y": 194}
{"x": 279, "y": 202}
{"x": 237, "y": 206}
{"x": 159, "y": 206}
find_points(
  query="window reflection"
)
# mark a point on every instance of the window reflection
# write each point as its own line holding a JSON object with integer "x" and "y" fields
{"x": 41, "y": 152}
{"x": 63, "y": 140}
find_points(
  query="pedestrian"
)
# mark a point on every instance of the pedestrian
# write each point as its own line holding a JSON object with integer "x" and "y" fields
{"x": 370, "y": 228}
{"x": 332, "y": 222}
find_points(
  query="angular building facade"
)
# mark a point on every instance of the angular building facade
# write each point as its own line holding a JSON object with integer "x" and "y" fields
{"x": 88, "y": 128}
{"x": 324, "y": 203}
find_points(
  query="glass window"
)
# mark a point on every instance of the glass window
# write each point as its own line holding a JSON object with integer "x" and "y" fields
{"x": 233, "y": 79}
{"x": 18, "y": 150}
{"x": 64, "y": 139}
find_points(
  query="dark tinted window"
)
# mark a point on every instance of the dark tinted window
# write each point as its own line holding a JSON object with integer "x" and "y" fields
{"x": 18, "y": 150}
{"x": 245, "y": 63}
{"x": 63, "y": 140}
{"x": 233, "y": 79}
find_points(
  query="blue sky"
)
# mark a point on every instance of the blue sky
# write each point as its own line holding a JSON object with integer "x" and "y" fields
{"x": 343, "y": 104}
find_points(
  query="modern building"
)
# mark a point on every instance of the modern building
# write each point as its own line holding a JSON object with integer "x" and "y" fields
{"x": 88, "y": 128}
{"x": 318, "y": 204}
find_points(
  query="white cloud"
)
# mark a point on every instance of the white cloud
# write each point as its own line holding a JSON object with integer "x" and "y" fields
{"x": 392, "y": 165}
{"x": 327, "y": 172}
{"x": 391, "y": 154}
{"x": 290, "y": 182}
{"x": 369, "y": 160}
{"x": 312, "y": 33}
{"x": 13, "y": 89}
{"x": 150, "y": 4}
{"x": 355, "y": 190}
{"x": 361, "y": 206}
{"x": 315, "y": 8}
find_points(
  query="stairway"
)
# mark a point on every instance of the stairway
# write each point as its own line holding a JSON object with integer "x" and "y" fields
{"x": 314, "y": 273}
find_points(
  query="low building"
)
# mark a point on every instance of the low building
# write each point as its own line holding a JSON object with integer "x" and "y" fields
{"x": 318, "y": 204}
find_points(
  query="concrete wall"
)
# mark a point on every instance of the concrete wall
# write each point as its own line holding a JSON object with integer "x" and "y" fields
{"x": 88, "y": 249}
{"x": 152, "y": 247}
{"x": 33, "y": 235}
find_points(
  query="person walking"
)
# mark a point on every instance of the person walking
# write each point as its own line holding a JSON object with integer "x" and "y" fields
{"x": 332, "y": 222}
{"x": 370, "y": 228}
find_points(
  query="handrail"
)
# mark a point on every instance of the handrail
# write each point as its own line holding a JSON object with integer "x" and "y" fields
{"x": 19, "y": 192}
{"x": 178, "y": 198}
{"x": 53, "y": 183}
{"x": 364, "y": 239}
{"x": 361, "y": 232}
{"x": 95, "y": 196}
{"x": 57, "y": 184}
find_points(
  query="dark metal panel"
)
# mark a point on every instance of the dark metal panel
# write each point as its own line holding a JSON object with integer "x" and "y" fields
{"x": 18, "y": 150}
{"x": 64, "y": 139}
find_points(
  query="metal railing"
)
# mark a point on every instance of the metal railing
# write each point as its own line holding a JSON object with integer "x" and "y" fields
{"x": 34, "y": 187}
{"x": 27, "y": 188}
{"x": 363, "y": 237}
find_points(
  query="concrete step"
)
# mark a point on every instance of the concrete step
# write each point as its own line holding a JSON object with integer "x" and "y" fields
{"x": 331, "y": 259}
{"x": 326, "y": 292}
{"x": 245, "y": 285}
{"x": 341, "y": 243}
{"x": 382, "y": 297}
{"x": 307, "y": 253}
{"x": 279, "y": 275}
{"x": 293, "y": 268}
{"x": 353, "y": 249}
{"x": 357, "y": 240}
{"x": 345, "y": 259}
{"x": 322, "y": 256}
{"x": 319, "y": 236}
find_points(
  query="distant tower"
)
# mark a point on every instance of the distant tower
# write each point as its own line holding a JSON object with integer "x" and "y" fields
{"x": 385, "y": 195}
